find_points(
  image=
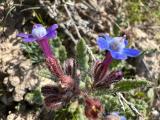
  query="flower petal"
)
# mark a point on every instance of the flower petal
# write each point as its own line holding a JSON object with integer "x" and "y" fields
{"x": 51, "y": 34}
{"x": 102, "y": 43}
{"x": 23, "y": 35}
{"x": 118, "y": 38}
{"x": 107, "y": 37}
{"x": 118, "y": 55}
{"x": 52, "y": 28}
{"x": 27, "y": 37}
{"x": 31, "y": 39}
{"x": 115, "y": 113}
{"x": 123, "y": 118}
{"x": 37, "y": 25}
{"x": 126, "y": 42}
{"x": 131, "y": 52}
{"x": 122, "y": 38}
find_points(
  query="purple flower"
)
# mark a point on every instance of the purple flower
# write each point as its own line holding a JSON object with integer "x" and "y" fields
{"x": 117, "y": 47}
{"x": 41, "y": 35}
{"x": 117, "y": 114}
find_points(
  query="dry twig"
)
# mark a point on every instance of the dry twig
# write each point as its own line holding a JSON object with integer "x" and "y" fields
{"x": 131, "y": 105}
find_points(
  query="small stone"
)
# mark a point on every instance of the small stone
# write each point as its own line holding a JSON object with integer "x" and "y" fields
{"x": 11, "y": 116}
{"x": 155, "y": 112}
{"x": 19, "y": 118}
{"x": 19, "y": 93}
{"x": 31, "y": 83}
{"x": 14, "y": 80}
{"x": 11, "y": 71}
{"x": 5, "y": 81}
{"x": 10, "y": 89}
{"x": 26, "y": 65}
{"x": 18, "y": 97}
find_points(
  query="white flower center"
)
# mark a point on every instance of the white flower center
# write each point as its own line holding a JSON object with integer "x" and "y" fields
{"x": 117, "y": 44}
{"x": 39, "y": 32}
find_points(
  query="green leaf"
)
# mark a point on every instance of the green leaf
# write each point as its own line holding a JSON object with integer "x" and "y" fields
{"x": 88, "y": 82}
{"x": 126, "y": 85}
{"x": 73, "y": 106}
{"x": 34, "y": 97}
{"x": 62, "y": 53}
{"x": 151, "y": 94}
{"x": 82, "y": 84}
{"x": 81, "y": 54}
{"x": 39, "y": 17}
{"x": 59, "y": 49}
{"x": 80, "y": 115}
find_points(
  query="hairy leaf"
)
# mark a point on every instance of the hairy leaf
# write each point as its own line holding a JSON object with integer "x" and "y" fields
{"x": 126, "y": 85}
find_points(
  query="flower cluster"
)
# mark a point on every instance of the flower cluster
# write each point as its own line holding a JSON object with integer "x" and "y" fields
{"x": 102, "y": 76}
{"x": 115, "y": 48}
{"x": 67, "y": 88}
{"x": 55, "y": 96}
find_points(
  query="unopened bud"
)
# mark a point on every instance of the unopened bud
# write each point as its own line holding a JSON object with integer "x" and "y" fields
{"x": 70, "y": 67}
{"x": 66, "y": 82}
{"x": 93, "y": 108}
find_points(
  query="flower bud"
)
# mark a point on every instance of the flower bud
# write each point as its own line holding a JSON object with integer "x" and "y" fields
{"x": 53, "y": 97}
{"x": 115, "y": 76}
{"x": 93, "y": 108}
{"x": 66, "y": 82}
{"x": 100, "y": 69}
{"x": 70, "y": 67}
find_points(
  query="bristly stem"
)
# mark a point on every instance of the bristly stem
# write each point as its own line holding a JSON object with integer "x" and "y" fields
{"x": 44, "y": 45}
{"x": 132, "y": 107}
{"x": 54, "y": 66}
{"x": 51, "y": 61}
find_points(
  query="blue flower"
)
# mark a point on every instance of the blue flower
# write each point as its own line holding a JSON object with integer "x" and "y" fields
{"x": 117, "y": 114}
{"x": 39, "y": 33}
{"x": 117, "y": 47}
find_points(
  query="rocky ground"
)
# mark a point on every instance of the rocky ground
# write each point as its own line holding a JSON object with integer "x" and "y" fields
{"x": 18, "y": 76}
